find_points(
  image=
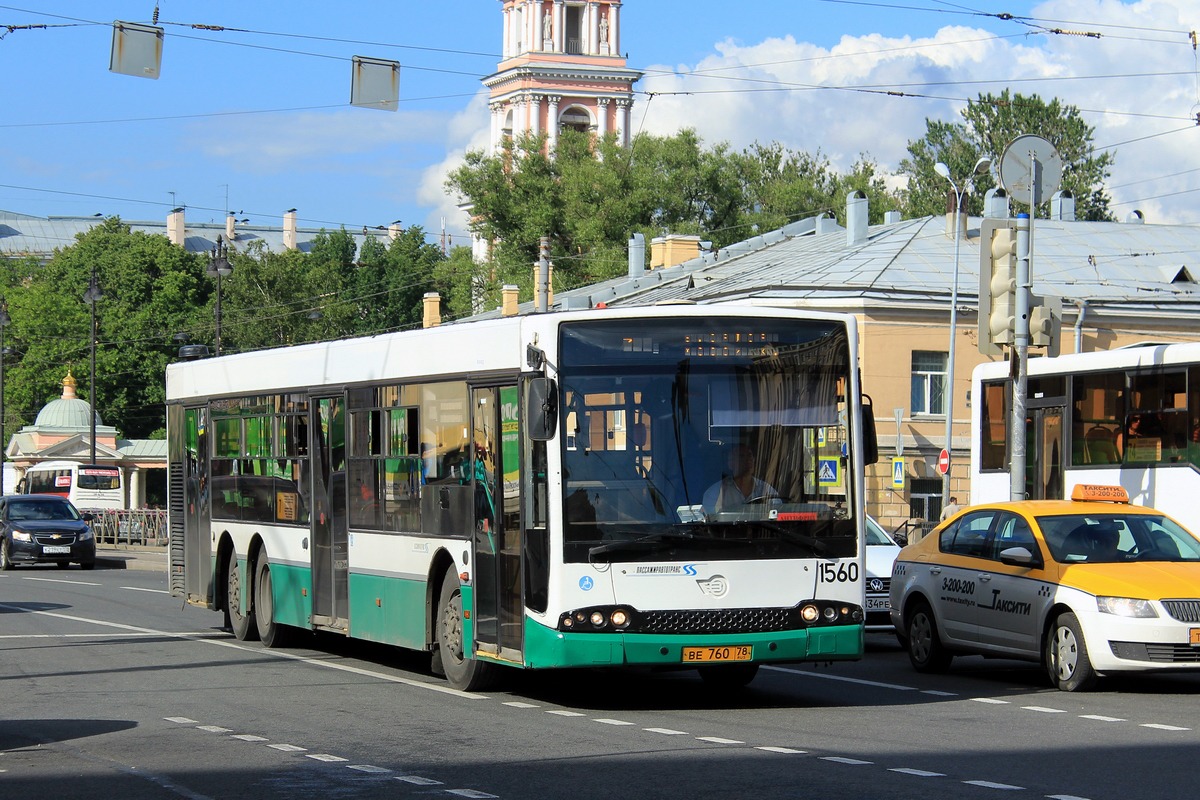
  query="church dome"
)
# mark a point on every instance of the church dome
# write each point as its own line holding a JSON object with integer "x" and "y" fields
{"x": 68, "y": 411}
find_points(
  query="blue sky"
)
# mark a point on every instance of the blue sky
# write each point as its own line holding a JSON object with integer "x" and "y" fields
{"x": 255, "y": 119}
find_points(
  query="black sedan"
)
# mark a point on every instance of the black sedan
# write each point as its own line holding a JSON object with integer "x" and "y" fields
{"x": 44, "y": 529}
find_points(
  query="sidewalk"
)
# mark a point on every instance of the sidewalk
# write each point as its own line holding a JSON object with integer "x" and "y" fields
{"x": 120, "y": 556}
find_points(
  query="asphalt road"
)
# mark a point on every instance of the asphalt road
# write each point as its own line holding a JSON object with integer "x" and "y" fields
{"x": 110, "y": 688}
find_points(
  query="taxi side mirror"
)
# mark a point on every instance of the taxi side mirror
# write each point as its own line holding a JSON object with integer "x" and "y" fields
{"x": 1020, "y": 557}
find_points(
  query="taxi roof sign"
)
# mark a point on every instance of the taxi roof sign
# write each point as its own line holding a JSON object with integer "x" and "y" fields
{"x": 1099, "y": 493}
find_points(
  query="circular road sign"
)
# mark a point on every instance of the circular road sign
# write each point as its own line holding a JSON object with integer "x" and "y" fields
{"x": 1016, "y": 168}
{"x": 943, "y": 465}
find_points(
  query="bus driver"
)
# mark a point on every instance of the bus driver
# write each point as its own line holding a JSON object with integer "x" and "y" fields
{"x": 739, "y": 486}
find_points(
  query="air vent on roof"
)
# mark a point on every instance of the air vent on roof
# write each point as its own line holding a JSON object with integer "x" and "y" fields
{"x": 1177, "y": 275}
{"x": 1135, "y": 217}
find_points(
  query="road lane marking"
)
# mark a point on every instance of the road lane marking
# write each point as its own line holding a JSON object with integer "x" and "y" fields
{"x": 183, "y": 720}
{"x": 519, "y": 704}
{"x": 854, "y": 762}
{"x": 470, "y": 793}
{"x": 920, "y": 773}
{"x": 784, "y": 750}
{"x": 204, "y": 638}
{"x": 805, "y": 673}
{"x": 214, "y": 729}
{"x": 993, "y": 785}
{"x": 612, "y": 721}
{"x": 325, "y": 757}
{"x": 288, "y": 748}
{"x": 666, "y": 731}
{"x": 562, "y": 712}
{"x": 249, "y": 737}
{"x": 417, "y": 780}
{"x": 1101, "y": 718}
{"x": 140, "y": 589}
{"x": 371, "y": 768}
{"x": 59, "y": 580}
{"x": 1158, "y": 727}
{"x": 718, "y": 740}
{"x": 1044, "y": 709}
{"x": 990, "y": 700}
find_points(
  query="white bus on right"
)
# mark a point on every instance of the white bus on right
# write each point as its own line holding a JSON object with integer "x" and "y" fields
{"x": 1128, "y": 417}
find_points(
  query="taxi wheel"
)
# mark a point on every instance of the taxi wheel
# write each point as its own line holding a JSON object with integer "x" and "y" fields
{"x": 1066, "y": 655}
{"x": 925, "y": 649}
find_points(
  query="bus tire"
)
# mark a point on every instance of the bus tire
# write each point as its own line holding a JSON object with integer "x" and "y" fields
{"x": 243, "y": 625}
{"x": 1066, "y": 656}
{"x": 925, "y": 650}
{"x": 728, "y": 676}
{"x": 462, "y": 672}
{"x": 270, "y": 632}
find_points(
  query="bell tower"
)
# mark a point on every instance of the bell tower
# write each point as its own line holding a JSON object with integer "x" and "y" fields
{"x": 562, "y": 67}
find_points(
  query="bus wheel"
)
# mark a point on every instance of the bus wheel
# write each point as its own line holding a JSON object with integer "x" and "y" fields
{"x": 243, "y": 625}
{"x": 462, "y": 672}
{"x": 270, "y": 632}
{"x": 728, "y": 676}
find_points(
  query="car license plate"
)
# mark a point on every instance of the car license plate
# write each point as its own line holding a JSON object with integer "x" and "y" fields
{"x": 708, "y": 655}
{"x": 879, "y": 604}
{"x": 1194, "y": 634}
{"x": 52, "y": 549}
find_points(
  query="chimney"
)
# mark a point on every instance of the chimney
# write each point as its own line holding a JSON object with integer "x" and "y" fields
{"x": 394, "y": 230}
{"x": 891, "y": 217}
{"x": 289, "y": 229}
{"x": 175, "y": 227}
{"x": 667, "y": 251}
{"x": 995, "y": 204}
{"x": 953, "y": 218}
{"x": 508, "y": 305}
{"x": 1062, "y": 206}
{"x": 433, "y": 310}
{"x": 230, "y": 228}
{"x": 856, "y": 218}
{"x": 637, "y": 255}
{"x": 549, "y": 283}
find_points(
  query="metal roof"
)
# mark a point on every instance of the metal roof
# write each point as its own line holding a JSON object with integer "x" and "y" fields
{"x": 23, "y": 235}
{"x": 1124, "y": 267}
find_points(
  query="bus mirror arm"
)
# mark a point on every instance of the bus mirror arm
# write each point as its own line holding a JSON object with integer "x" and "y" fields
{"x": 541, "y": 408}
{"x": 870, "y": 439}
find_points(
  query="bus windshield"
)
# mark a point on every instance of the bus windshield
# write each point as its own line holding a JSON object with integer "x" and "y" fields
{"x": 723, "y": 440}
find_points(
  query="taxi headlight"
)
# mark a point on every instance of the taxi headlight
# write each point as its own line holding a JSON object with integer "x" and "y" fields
{"x": 21, "y": 536}
{"x": 1126, "y": 607}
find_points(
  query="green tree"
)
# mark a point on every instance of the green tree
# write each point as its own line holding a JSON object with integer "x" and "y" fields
{"x": 151, "y": 290}
{"x": 990, "y": 123}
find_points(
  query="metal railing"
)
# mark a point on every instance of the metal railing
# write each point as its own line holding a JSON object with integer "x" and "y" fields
{"x": 913, "y": 530}
{"x": 143, "y": 526}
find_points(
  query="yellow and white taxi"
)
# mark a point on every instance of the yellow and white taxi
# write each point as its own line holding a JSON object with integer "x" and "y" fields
{"x": 1087, "y": 586}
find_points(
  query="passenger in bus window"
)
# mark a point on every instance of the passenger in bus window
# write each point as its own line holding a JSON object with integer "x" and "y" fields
{"x": 739, "y": 486}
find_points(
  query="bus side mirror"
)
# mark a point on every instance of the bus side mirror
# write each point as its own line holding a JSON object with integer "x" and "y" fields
{"x": 541, "y": 408}
{"x": 870, "y": 440}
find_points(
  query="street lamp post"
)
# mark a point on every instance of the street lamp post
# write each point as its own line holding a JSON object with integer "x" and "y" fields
{"x": 92, "y": 296}
{"x": 4, "y": 321}
{"x": 219, "y": 267}
{"x": 981, "y": 166}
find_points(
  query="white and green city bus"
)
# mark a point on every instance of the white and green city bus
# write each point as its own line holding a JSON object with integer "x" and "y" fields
{"x": 530, "y": 491}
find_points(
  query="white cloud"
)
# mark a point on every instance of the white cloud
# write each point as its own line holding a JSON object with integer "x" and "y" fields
{"x": 852, "y": 113}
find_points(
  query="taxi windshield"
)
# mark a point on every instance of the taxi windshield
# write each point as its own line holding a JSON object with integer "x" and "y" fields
{"x": 1117, "y": 537}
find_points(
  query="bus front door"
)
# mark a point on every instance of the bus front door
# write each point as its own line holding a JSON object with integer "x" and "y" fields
{"x": 496, "y": 456}
{"x": 1044, "y": 452}
{"x": 329, "y": 552}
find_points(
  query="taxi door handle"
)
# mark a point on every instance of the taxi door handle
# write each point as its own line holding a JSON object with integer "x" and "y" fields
{"x": 935, "y": 570}
{"x": 984, "y": 577}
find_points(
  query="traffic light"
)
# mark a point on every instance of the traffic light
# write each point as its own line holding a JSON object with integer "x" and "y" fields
{"x": 997, "y": 285}
{"x": 1045, "y": 323}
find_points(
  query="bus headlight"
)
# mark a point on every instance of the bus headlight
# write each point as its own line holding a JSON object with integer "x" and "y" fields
{"x": 810, "y": 613}
{"x": 1126, "y": 607}
{"x": 619, "y": 618}
{"x": 597, "y": 619}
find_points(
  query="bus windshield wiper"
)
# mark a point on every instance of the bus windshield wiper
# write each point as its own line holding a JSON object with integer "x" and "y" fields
{"x": 653, "y": 541}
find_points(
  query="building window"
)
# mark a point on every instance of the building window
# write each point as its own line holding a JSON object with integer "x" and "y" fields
{"x": 928, "y": 382}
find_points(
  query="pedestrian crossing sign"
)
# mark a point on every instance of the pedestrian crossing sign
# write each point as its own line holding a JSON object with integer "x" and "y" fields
{"x": 897, "y": 473}
{"x": 827, "y": 472}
